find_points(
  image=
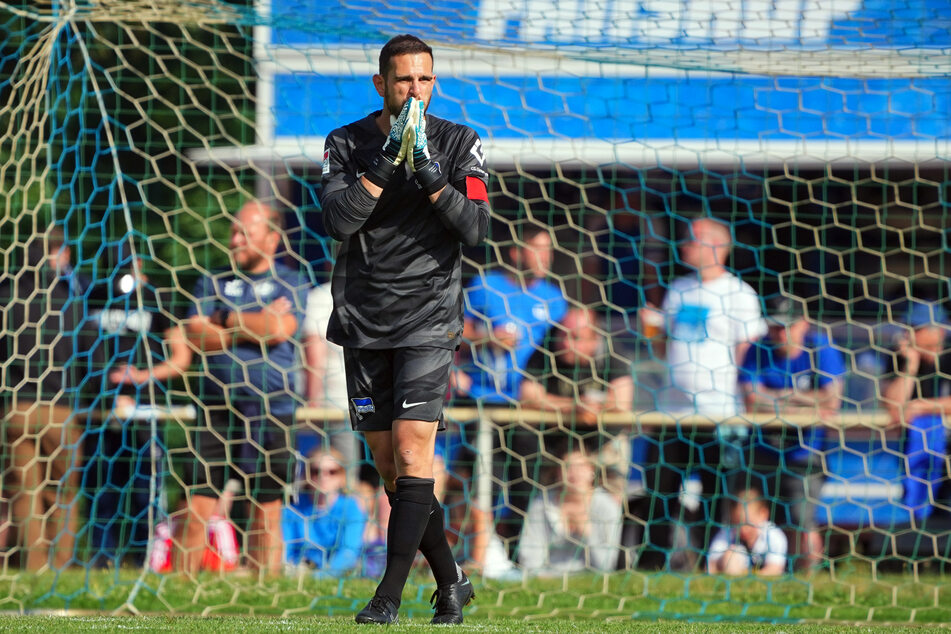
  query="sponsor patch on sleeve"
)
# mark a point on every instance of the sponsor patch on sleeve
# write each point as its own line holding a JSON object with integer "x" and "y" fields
{"x": 326, "y": 166}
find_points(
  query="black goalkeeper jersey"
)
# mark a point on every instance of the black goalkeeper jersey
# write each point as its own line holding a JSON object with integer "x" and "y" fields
{"x": 397, "y": 279}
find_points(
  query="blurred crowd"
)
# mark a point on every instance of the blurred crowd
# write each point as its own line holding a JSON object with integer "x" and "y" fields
{"x": 89, "y": 362}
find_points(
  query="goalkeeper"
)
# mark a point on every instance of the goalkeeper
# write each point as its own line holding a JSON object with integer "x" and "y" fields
{"x": 403, "y": 191}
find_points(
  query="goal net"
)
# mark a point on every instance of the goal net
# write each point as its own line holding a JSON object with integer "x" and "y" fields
{"x": 814, "y": 134}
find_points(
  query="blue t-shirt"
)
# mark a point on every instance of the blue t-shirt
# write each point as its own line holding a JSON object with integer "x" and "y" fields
{"x": 243, "y": 368}
{"x": 330, "y": 539}
{"x": 494, "y": 299}
{"x": 816, "y": 366}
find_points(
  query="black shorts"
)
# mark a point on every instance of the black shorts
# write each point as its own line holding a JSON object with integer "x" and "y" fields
{"x": 399, "y": 383}
{"x": 242, "y": 444}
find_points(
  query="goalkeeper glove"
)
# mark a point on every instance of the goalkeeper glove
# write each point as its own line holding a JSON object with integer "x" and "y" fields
{"x": 394, "y": 150}
{"x": 428, "y": 174}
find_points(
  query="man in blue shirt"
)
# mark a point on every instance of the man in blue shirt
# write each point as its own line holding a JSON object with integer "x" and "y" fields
{"x": 918, "y": 398}
{"x": 508, "y": 314}
{"x": 793, "y": 370}
{"x": 245, "y": 321}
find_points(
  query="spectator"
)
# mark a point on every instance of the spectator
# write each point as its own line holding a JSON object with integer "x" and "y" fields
{"x": 42, "y": 374}
{"x": 507, "y": 317}
{"x": 323, "y": 528}
{"x": 793, "y": 370}
{"x": 750, "y": 543}
{"x": 918, "y": 397}
{"x": 325, "y": 379}
{"x": 573, "y": 525}
{"x": 132, "y": 339}
{"x": 711, "y": 317}
{"x": 577, "y": 374}
{"x": 244, "y": 324}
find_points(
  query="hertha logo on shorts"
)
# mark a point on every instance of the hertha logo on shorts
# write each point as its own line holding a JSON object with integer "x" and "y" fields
{"x": 363, "y": 406}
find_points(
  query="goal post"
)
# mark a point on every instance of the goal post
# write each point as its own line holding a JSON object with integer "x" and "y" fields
{"x": 817, "y": 133}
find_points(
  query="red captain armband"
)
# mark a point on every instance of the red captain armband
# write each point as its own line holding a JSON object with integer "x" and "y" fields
{"x": 475, "y": 189}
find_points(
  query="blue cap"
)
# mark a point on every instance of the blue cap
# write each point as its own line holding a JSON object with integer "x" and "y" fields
{"x": 921, "y": 314}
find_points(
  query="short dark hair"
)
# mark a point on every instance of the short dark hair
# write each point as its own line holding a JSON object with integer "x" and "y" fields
{"x": 402, "y": 45}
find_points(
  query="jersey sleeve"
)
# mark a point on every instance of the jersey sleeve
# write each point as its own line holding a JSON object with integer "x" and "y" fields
{"x": 830, "y": 364}
{"x": 206, "y": 299}
{"x": 345, "y": 202}
{"x": 749, "y": 368}
{"x": 463, "y": 208}
{"x": 748, "y": 322}
{"x": 776, "y": 547}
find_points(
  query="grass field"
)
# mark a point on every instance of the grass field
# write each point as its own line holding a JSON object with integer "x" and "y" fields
{"x": 209, "y": 625}
{"x": 632, "y": 601}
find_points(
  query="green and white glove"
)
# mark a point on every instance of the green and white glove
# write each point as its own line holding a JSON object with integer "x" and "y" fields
{"x": 428, "y": 174}
{"x": 394, "y": 150}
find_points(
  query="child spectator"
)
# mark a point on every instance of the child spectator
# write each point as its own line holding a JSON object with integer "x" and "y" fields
{"x": 323, "y": 529}
{"x": 750, "y": 543}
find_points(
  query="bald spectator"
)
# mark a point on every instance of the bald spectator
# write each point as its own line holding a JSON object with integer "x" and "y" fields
{"x": 711, "y": 317}
{"x": 244, "y": 323}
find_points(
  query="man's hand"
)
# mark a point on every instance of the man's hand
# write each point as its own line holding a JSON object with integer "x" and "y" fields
{"x": 428, "y": 174}
{"x": 394, "y": 149}
{"x": 128, "y": 375}
{"x": 911, "y": 354}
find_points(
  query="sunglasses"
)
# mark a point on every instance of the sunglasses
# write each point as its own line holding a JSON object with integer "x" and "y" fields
{"x": 330, "y": 472}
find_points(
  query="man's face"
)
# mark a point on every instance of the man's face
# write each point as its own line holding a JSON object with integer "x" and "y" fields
{"x": 408, "y": 76}
{"x": 707, "y": 246}
{"x": 929, "y": 341}
{"x": 580, "y": 342}
{"x": 536, "y": 255}
{"x": 790, "y": 337}
{"x": 253, "y": 241}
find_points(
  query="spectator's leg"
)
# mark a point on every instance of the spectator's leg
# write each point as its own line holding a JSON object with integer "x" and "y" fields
{"x": 62, "y": 443}
{"x": 265, "y": 542}
{"x": 26, "y": 502}
{"x": 193, "y": 532}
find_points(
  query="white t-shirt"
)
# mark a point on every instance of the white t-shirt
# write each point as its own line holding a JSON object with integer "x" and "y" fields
{"x": 320, "y": 304}
{"x": 706, "y": 320}
{"x": 770, "y": 547}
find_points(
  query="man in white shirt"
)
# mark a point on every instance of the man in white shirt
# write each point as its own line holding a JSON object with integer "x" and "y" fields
{"x": 710, "y": 318}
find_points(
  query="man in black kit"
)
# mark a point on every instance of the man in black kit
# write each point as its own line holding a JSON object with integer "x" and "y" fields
{"x": 402, "y": 191}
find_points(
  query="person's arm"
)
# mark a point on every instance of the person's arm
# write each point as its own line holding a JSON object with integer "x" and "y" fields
{"x": 460, "y": 200}
{"x": 620, "y": 395}
{"x": 774, "y": 563}
{"x": 606, "y": 525}
{"x": 900, "y": 389}
{"x": 275, "y": 324}
{"x": 177, "y": 363}
{"x": 347, "y": 552}
{"x": 532, "y": 394}
{"x": 346, "y": 201}
{"x": 533, "y": 543}
{"x": 315, "y": 359}
{"x": 291, "y": 527}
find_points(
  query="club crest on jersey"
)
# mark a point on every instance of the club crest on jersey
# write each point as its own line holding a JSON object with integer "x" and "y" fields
{"x": 363, "y": 406}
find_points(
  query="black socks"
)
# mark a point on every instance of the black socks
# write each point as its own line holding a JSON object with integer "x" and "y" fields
{"x": 416, "y": 522}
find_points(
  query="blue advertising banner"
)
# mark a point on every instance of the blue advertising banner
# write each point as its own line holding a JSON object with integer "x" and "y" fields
{"x": 623, "y": 81}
